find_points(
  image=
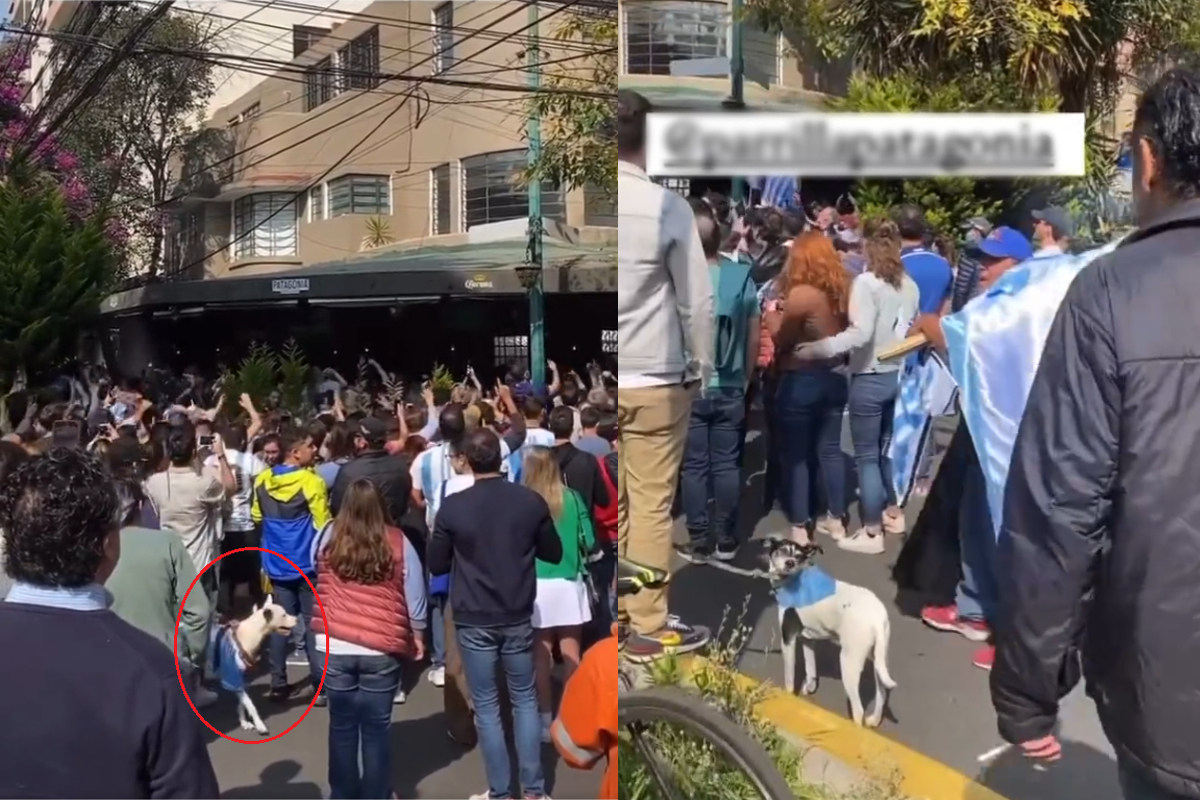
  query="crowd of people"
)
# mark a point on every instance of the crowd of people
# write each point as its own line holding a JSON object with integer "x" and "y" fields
{"x": 1086, "y": 573}
{"x": 789, "y": 309}
{"x": 474, "y": 527}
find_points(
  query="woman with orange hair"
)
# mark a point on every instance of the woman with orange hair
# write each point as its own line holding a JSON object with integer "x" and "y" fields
{"x": 811, "y": 393}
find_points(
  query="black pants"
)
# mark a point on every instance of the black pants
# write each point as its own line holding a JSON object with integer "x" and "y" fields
{"x": 239, "y": 568}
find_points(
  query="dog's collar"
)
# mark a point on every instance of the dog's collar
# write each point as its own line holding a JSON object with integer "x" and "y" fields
{"x": 246, "y": 658}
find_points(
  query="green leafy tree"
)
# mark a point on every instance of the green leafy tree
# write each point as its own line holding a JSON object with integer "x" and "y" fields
{"x": 294, "y": 371}
{"x": 579, "y": 147}
{"x": 145, "y": 120}
{"x": 55, "y": 268}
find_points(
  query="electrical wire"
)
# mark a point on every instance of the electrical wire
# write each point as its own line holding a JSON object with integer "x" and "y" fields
{"x": 294, "y": 203}
{"x": 96, "y": 80}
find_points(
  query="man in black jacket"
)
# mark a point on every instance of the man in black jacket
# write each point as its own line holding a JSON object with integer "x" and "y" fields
{"x": 1100, "y": 546}
{"x": 93, "y": 707}
{"x": 388, "y": 472}
{"x": 581, "y": 471}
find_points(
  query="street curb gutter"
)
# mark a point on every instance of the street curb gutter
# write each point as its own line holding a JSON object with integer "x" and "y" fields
{"x": 922, "y": 778}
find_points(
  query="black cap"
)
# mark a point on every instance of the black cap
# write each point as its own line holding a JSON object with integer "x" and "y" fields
{"x": 1058, "y": 219}
{"x": 373, "y": 429}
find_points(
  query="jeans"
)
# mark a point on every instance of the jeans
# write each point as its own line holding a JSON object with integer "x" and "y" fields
{"x": 437, "y": 630}
{"x": 771, "y": 490}
{"x": 360, "y": 691}
{"x": 712, "y": 455}
{"x": 296, "y": 598}
{"x": 1134, "y": 787}
{"x": 977, "y": 591}
{"x": 808, "y": 421}
{"x": 512, "y": 647}
{"x": 872, "y": 409}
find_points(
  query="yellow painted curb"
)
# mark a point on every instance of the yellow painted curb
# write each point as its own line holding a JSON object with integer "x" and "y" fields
{"x": 922, "y": 778}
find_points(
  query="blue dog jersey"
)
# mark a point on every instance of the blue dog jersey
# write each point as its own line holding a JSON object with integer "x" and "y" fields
{"x": 812, "y": 585}
{"x": 223, "y": 661}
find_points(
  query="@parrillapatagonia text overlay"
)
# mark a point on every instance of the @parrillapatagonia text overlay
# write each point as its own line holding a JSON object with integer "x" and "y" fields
{"x": 996, "y": 145}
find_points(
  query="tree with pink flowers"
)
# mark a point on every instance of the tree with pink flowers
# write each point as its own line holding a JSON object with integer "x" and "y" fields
{"x": 61, "y": 251}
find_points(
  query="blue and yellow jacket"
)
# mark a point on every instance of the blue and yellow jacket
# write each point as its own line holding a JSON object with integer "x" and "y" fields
{"x": 292, "y": 505}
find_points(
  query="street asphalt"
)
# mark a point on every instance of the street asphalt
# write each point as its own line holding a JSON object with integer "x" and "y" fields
{"x": 941, "y": 707}
{"x": 425, "y": 762}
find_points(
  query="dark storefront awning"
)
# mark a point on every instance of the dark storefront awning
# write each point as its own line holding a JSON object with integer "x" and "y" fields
{"x": 468, "y": 270}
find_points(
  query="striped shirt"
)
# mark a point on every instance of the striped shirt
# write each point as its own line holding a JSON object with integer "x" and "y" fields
{"x": 778, "y": 191}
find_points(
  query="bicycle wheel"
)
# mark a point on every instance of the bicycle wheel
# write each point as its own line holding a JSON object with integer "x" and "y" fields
{"x": 645, "y": 713}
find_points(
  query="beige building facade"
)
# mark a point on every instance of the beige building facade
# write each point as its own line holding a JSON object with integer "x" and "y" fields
{"x": 326, "y": 158}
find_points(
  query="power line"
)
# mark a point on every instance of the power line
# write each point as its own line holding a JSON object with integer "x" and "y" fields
{"x": 295, "y": 198}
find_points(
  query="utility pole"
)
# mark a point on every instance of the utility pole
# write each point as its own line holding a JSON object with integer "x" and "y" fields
{"x": 537, "y": 297}
{"x": 737, "y": 81}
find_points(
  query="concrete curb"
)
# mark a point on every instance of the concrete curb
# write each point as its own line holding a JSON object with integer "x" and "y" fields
{"x": 862, "y": 750}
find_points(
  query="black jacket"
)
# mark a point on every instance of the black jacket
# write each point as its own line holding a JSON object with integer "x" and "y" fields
{"x": 1101, "y": 538}
{"x": 389, "y": 474}
{"x": 581, "y": 472}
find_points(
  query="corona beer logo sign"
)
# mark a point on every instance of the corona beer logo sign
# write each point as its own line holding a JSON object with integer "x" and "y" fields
{"x": 479, "y": 281}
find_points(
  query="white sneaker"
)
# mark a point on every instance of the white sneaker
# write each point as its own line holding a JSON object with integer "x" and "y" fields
{"x": 831, "y": 527}
{"x": 437, "y": 676}
{"x": 400, "y": 699}
{"x": 482, "y": 796}
{"x": 864, "y": 542}
{"x": 203, "y": 698}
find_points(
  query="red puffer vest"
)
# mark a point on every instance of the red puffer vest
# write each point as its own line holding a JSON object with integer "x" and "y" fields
{"x": 371, "y": 616}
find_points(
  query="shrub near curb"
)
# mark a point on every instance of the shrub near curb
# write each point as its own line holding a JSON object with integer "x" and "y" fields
{"x": 705, "y": 774}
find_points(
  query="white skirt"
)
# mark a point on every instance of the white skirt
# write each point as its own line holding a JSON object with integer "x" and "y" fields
{"x": 560, "y": 603}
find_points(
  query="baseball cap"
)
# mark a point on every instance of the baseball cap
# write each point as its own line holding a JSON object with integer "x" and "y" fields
{"x": 1058, "y": 218}
{"x": 1006, "y": 242}
{"x": 981, "y": 224}
{"x": 373, "y": 429}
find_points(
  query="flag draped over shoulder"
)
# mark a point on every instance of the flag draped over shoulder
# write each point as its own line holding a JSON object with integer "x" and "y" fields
{"x": 995, "y": 344}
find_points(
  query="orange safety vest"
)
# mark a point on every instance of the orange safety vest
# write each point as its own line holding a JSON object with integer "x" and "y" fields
{"x": 586, "y": 728}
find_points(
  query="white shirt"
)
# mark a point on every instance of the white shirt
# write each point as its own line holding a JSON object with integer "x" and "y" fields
{"x": 245, "y": 468}
{"x": 441, "y": 475}
{"x": 1048, "y": 250}
{"x": 189, "y": 502}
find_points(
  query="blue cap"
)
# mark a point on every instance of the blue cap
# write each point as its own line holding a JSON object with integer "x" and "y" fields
{"x": 1005, "y": 242}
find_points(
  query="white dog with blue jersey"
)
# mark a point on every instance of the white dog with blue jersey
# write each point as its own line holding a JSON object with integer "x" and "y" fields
{"x": 233, "y": 648}
{"x": 815, "y": 607}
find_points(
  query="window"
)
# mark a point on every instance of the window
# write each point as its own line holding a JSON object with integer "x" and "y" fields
{"x": 320, "y": 84}
{"x": 443, "y": 38}
{"x": 608, "y": 341}
{"x": 359, "y": 62}
{"x": 511, "y": 351}
{"x": 681, "y": 186}
{"x": 305, "y": 36}
{"x": 264, "y": 225}
{"x": 252, "y": 110}
{"x": 662, "y": 31}
{"x": 316, "y": 203}
{"x": 360, "y": 194}
{"x": 490, "y": 193}
{"x": 185, "y": 246}
{"x": 439, "y": 201}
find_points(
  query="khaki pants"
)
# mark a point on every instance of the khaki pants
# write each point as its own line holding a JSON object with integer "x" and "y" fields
{"x": 653, "y": 428}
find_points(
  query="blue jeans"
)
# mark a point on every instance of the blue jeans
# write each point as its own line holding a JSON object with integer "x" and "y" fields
{"x": 360, "y": 690}
{"x": 712, "y": 455}
{"x": 977, "y": 591}
{"x": 872, "y": 410}
{"x": 808, "y": 422}
{"x": 437, "y": 630}
{"x": 1134, "y": 787}
{"x": 512, "y": 648}
{"x": 296, "y": 598}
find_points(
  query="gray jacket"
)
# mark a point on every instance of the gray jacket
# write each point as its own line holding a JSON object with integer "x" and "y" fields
{"x": 664, "y": 292}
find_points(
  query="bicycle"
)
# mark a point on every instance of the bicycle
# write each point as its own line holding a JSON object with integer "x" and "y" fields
{"x": 644, "y": 713}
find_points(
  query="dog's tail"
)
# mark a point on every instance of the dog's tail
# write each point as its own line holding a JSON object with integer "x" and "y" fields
{"x": 882, "y": 637}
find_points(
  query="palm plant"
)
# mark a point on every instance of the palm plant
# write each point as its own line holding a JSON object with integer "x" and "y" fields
{"x": 379, "y": 233}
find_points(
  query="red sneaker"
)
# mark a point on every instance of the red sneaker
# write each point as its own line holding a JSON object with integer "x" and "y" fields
{"x": 984, "y": 657}
{"x": 945, "y": 618}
